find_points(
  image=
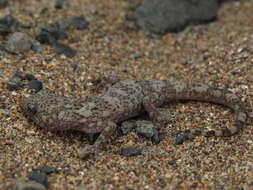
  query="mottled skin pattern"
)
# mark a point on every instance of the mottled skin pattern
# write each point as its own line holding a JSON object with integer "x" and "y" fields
{"x": 121, "y": 101}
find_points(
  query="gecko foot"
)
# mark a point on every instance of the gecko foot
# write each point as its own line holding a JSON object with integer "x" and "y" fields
{"x": 106, "y": 136}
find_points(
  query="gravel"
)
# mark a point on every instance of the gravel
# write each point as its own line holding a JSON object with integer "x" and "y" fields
{"x": 212, "y": 55}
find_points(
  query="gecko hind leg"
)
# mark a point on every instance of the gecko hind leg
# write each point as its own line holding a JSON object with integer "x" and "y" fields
{"x": 151, "y": 105}
{"x": 158, "y": 117}
{"x": 106, "y": 137}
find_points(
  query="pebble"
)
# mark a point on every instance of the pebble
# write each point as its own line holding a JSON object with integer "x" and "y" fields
{"x": 58, "y": 4}
{"x": 7, "y": 25}
{"x": 46, "y": 169}
{"x": 158, "y": 137}
{"x": 74, "y": 66}
{"x": 50, "y": 33}
{"x": 145, "y": 128}
{"x": 14, "y": 83}
{"x": 78, "y": 22}
{"x": 172, "y": 162}
{"x": 35, "y": 84}
{"x": 18, "y": 42}
{"x": 61, "y": 48}
{"x": 36, "y": 46}
{"x": 181, "y": 139}
{"x": 29, "y": 185}
{"x": 38, "y": 177}
{"x": 129, "y": 151}
{"x": 127, "y": 126}
{"x": 24, "y": 76}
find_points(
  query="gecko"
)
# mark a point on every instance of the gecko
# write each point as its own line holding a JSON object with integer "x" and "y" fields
{"x": 122, "y": 100}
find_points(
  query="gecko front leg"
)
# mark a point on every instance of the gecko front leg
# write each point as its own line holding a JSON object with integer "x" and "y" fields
{"x": 159, "y": 119}
{"x": 106, "y": 136}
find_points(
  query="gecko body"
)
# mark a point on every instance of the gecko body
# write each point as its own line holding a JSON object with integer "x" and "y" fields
{"x": 121, "y": 101}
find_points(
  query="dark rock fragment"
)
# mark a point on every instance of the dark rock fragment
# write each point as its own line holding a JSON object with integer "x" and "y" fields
{"x": 36, "y": 46}
{"x": 47, "y": 169}
{"x": 28, "y": 185}
{"x": 7, "y": 25}
{"x": 181, "y": 138}
{"x": 14, "y": 83}
{"x": 126, "y": 127}
{"x": 172, "y": 162}
{"x": 50, "y": 33}
{"x": 38, "y": 177}
{"x": 74, "y": 66}
{"x": 158, "y": 137}
{"x": 64, "y": 49}
{"x": 35, "y": 84}
{"x": 58, "y": 4}
{"x": 129, "y": 151}
{"x": 24, "y": 76}
{"x": 79, "y": 22}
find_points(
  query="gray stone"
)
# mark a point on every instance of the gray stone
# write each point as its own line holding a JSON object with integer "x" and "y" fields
{"x": 145, "y": 128}
{"x": 38, "y": 177}
{"x": 30, "y": 185}
{"x": 14, "y": 83}
{"x": 8, "y": 24}
{"x": 129, "y": 151}
{"x": 127, "y": 126}
{"x": 181, "y": 138}
{"x": 36, "y": 46}
{"x": 160, "y": 16}
{"x": 64, "y": 49}
{"x": 51, "y": 33}
{"x": 78, "y": 22}
{"x": 35, "y": 84}
{"x": 18, "y": 42}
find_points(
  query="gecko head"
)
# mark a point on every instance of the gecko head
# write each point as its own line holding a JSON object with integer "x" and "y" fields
{"x": 31, "y": 105}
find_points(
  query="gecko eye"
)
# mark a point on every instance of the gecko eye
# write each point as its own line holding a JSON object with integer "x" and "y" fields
{"x": 32, "y": 109}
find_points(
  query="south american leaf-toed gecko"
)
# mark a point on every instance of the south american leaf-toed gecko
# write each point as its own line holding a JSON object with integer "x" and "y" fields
{"x": 121, "y": 101}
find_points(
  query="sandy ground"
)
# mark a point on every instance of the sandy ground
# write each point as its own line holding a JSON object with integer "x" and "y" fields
{"x": 219, "y": 54}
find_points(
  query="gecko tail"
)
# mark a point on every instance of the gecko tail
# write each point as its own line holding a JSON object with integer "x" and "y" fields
{"x": 201, "y": 92}
{"x": 225, "y": 132}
